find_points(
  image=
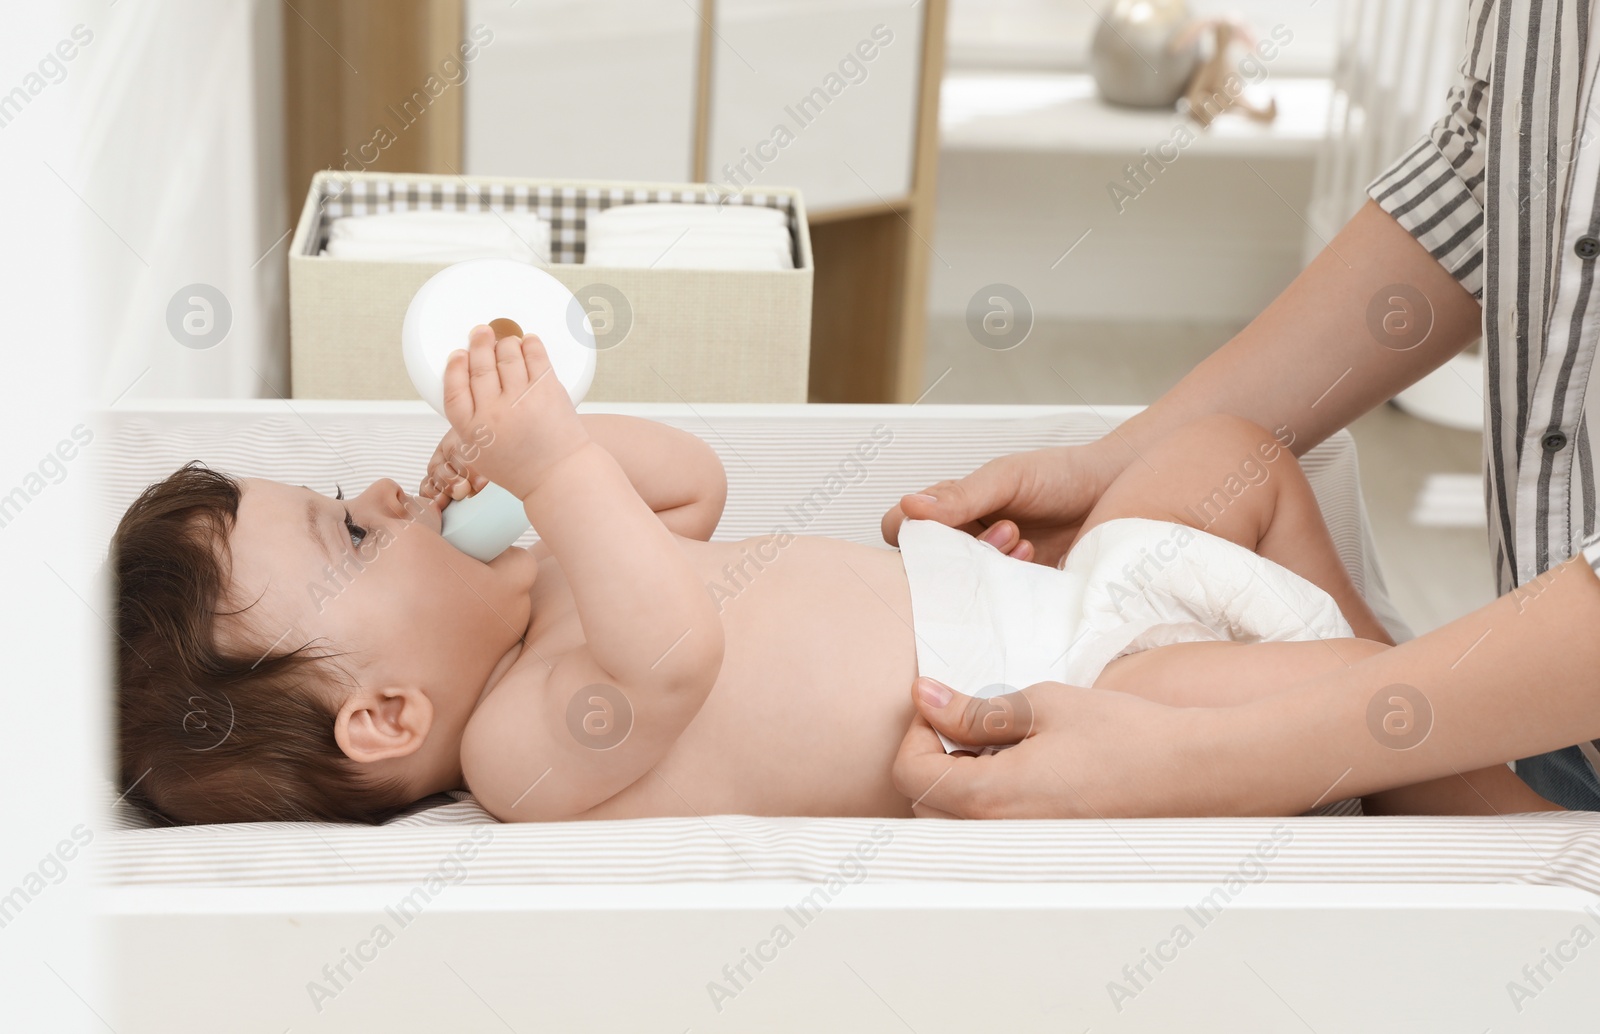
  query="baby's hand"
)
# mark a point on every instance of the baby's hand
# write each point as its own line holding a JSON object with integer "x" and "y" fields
{"x": 450, "y": 472}
{"x": 506, "y": 396}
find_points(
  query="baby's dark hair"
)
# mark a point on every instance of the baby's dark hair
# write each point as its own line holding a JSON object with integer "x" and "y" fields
{"x": 209, "y": 733}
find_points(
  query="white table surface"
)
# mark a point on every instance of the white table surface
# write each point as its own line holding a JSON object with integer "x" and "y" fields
{"x": 1059, "y": 112}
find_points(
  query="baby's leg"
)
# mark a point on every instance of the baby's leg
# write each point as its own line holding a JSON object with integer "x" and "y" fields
{"x": 1229, "y": 477}
{"x": 1221, "y": 674}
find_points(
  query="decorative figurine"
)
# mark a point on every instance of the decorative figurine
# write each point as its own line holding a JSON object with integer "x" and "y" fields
{"x": 1143, "y": 54}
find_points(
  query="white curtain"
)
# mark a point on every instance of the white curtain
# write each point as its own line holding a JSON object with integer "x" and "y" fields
{"x": 180, "y": 158}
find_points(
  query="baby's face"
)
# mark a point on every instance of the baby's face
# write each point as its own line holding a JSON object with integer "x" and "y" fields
{"x": 370, "y": 578}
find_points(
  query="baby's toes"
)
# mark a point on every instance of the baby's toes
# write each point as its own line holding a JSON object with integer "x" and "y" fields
{"x": 535, "y": 356}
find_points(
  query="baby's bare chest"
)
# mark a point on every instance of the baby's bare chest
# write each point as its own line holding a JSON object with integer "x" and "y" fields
{"x": 787, "y": 604}
{"x": 813, "y": 695}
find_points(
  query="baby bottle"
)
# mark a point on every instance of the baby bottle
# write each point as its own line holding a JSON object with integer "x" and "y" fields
{"x": 514, "y": 298}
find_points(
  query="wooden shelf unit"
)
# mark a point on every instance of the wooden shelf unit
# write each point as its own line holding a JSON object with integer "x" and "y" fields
{"x": 347, "y": 60}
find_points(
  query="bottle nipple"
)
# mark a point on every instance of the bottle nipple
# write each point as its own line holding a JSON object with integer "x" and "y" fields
{"x": 504, "y": 327}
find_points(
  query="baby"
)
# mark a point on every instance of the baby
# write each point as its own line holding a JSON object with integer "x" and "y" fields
{"x": 609, "y": 671}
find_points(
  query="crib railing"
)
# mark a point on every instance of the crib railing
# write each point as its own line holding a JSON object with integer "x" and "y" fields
{"x": 1396, "y": 59}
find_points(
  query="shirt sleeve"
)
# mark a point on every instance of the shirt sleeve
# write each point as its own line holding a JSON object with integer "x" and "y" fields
{"x": 1436, "y": 189}
{"x": 1591, "y": 552}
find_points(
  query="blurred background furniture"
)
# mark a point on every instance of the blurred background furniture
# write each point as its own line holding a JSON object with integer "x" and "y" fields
{"x": 661, "y": 91}
{"x": 1029, "y": 156}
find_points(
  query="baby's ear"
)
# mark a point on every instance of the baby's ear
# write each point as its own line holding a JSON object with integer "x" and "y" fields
{"x": 388, "y": 722}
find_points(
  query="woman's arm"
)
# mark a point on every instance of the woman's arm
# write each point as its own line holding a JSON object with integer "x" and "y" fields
{"x": 1319, "y": 356}
{"x": 1512, "y": 679}
{"x": 1220, "y": 674}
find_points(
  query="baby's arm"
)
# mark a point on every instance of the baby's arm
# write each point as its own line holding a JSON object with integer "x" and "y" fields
{"x": 653, "y": 642}
{"x": 678, "y": 475}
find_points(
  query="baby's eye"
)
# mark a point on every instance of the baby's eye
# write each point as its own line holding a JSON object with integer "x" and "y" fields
{"x": 357, "y": 532}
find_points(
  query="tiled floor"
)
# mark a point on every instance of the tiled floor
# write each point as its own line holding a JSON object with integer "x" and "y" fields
{"x": 1434, "y": 574}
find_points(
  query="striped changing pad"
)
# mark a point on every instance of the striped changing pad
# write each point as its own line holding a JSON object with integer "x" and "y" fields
{"x": 1561, "y": 848}
{"x": 829, "y": 470}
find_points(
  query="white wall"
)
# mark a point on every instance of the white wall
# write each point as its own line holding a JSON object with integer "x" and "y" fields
{"x": 583, "y": 89}
{"x": 1205, "y": 241}
{"x": 767, "y": 122}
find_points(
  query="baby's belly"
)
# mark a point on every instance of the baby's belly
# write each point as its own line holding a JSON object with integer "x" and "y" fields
{"x": 815, "y": 690}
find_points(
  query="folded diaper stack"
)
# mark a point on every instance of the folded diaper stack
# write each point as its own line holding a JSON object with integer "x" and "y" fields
{"x": 987, "y": 624}
{"x": 684, "y": 236}
{"x": 440, "y": 237}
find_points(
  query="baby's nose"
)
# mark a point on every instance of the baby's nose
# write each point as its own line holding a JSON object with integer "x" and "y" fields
{"x": 391, "y": 496}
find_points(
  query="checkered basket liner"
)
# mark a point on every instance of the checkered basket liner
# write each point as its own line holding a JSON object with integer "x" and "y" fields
{"x": 565, "y": 207}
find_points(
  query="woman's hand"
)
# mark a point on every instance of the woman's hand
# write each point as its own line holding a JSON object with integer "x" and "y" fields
{"x": 1029, "y": 505}
{"x": 1079, "y": 753}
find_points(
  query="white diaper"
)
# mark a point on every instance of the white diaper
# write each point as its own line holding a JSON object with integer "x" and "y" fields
{"x": 987, "y": 624}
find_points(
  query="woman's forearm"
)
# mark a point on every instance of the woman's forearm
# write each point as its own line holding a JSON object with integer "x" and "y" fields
{"x": 1512, "y": 679}
{"x": 1341, "y": 339}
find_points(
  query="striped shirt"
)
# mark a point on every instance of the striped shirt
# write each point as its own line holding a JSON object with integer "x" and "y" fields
{"x": 1504, "y": 190}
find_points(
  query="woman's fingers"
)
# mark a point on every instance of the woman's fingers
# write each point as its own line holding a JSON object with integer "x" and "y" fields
{"x": 987, "y": 490}
{"x": 971, "y": 504}
{"x": 991, "y": 785}
{"x": 1002, "y": 535}
{"x": 979, "y": 721}
{"x": 941, "y": 785}
{"x": 890, "y": 525}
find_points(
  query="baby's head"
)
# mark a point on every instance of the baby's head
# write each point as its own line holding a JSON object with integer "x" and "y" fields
{"x": 284, "y": 654}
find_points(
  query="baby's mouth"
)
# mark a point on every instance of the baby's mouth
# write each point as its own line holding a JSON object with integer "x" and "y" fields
{"x": 429, "y": 511}
{"x": 436, "y": 507}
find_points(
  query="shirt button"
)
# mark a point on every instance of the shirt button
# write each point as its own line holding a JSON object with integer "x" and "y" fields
{"x": 1555, "y": 441}
{"x": 1587, "y": 247}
